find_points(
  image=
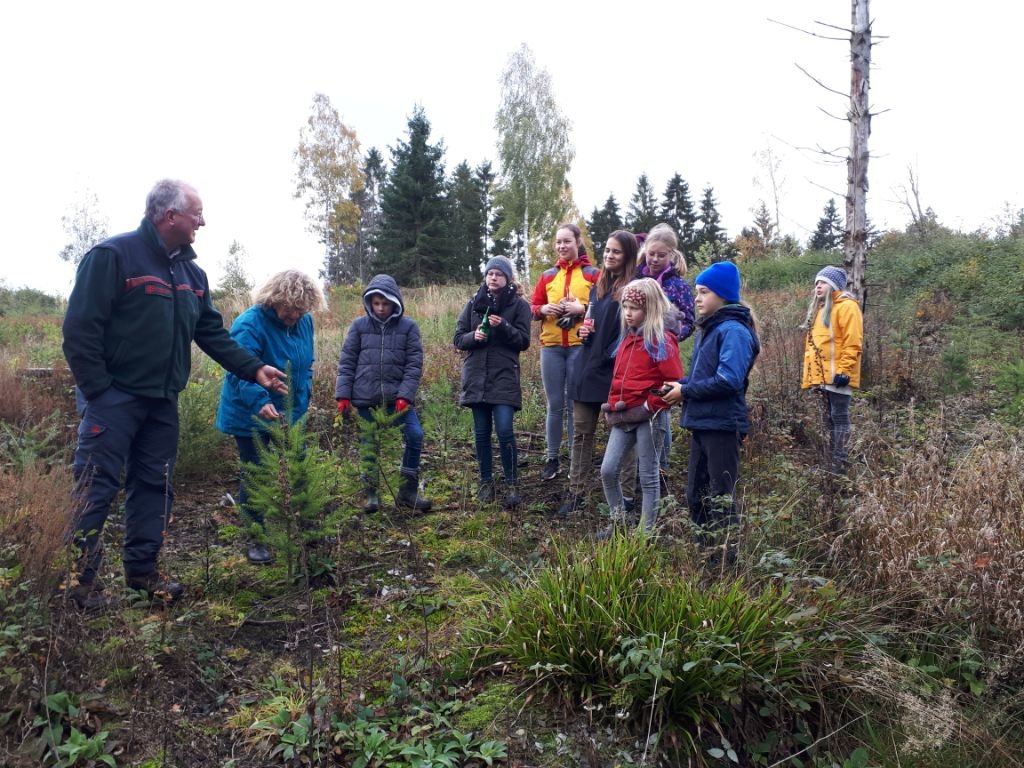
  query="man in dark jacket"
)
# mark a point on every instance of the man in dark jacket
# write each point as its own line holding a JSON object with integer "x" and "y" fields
{"x": 380, "y": 365}
{"x": 138, "y": 303}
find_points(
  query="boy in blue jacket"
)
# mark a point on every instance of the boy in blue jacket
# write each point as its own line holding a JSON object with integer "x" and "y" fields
{"x": 381, "y": 364}
{"x": 714, "y": 395}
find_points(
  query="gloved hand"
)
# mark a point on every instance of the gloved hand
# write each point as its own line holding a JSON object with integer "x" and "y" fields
{"x": 344, "y": 407}
{"x": 840, "y": 380}
{"x": 401, "y": 404}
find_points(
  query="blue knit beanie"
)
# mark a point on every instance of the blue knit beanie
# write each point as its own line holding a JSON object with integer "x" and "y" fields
{"x": 722, "y": 278}
{"x": 501, "y": 264}
{"x": 834, "y": 276}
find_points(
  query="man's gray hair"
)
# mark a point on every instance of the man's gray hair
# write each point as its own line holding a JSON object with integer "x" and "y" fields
{"x": 167, "y": 195}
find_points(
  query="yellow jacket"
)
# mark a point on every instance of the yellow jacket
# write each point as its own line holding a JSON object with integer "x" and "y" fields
{"x": 558, "y": 283}
{"x": 835, "y": 350}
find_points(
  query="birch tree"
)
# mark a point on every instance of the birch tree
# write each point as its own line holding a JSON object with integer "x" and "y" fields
{"x": 84, "y": 225}
{"x": 327, "y": 174}
{"x": 534, "y": 152}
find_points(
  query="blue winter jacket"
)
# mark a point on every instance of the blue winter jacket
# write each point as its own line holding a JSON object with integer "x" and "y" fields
{"x": 290, "y": 349}
{"x": 381, "y": 360}
{"x": 714, "y": 394}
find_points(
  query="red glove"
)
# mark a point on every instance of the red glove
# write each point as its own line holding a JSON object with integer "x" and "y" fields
{"x": 344, "y": 407}
{"x": 401, "y": 404}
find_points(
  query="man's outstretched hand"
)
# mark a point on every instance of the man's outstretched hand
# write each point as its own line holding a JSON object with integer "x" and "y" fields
{"x": 268, "y": 376}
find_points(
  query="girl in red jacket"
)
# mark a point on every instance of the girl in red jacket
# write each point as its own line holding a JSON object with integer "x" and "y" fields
{"x": 648, "y": 356}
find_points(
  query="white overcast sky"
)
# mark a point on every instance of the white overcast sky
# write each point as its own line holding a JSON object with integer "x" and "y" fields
{"x": 110, "y": 96}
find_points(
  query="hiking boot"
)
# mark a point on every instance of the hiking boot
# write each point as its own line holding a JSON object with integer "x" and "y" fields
{"x": 408, "y": 495}
{"x": 258, "y": 554}
{"x": 550, "y": 471}
{"x": 89, "y": 598}
{"x": 372, "y": 501}
{"x": 156, "y": 586}
{"x": 485, "y": 494}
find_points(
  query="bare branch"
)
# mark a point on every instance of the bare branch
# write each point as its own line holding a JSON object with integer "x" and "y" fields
{"x": 832, "y": 192}
{"x": 804, "y": 31}
{"x": 834, "y": 117}
{"x": 847, "y": 30}
{"x": 831, "y": 90}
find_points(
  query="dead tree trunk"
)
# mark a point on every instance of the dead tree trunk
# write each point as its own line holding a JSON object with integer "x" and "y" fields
{"x": 856, "y": 235}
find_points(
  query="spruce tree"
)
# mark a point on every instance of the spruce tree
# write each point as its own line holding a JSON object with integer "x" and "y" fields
{"x": 603, "y": 222}
{"x": 643, "y": 208}
{"x": 678, "y": 212}
{"x": 712, "y": 242}
{"x": 486, "y": 180}
{"x": 467, "y": 225}
{"x": 413, "y": 240}
{"x": 828, "y": 235}
{"x": 364, "y": 251}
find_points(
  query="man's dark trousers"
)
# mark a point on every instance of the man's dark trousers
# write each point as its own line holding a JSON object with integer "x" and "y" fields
{"x": 139, "y": 435}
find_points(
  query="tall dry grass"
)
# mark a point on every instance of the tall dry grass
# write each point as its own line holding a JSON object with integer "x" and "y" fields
{"x": 37, "y": 435}
{"x": 944, "y": 527}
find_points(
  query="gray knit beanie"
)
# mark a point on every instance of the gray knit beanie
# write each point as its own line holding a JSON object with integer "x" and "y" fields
{"x": 501, "y": 264}
{"x": 834, "y": 276}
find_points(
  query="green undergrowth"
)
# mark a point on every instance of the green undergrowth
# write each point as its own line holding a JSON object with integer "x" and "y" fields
{"x": 613, "y": 626}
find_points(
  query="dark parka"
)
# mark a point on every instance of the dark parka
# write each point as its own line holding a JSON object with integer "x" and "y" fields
{"x": 381, "y": 360}
{"x": 592, "y": 375}
{"x": 490, "y": 370}
{"x": 134, "y": 313}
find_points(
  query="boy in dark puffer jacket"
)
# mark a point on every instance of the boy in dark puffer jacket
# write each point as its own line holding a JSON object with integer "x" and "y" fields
{"x": 381, "y": 365}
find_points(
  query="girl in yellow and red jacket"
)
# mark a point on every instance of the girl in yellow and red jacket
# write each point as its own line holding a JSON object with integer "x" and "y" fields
{"x": 647, "y": 357}
{"x": 559, "y": 302}
{"x": 835, "y": 340}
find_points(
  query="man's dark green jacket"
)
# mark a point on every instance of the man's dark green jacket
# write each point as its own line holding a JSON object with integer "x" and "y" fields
{"x": 133, "y": 314}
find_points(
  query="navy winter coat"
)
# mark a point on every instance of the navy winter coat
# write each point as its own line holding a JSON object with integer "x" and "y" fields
{"x": 381, "y": 360}
{"x": 490, "y": 370}
{"x": 714, "y": 394}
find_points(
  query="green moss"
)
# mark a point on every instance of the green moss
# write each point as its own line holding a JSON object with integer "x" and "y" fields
{"x": 490, "y": 711}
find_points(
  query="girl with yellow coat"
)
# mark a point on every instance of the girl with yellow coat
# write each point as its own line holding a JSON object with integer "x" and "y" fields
{"x": 835, "y": 340}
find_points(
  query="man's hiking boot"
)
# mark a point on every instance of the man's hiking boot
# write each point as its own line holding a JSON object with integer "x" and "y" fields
{"x": 155, "y": 585}
{"x": 89, "y": 598}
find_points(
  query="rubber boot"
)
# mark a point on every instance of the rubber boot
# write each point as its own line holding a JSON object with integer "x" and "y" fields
{"x": 408, "y": 495}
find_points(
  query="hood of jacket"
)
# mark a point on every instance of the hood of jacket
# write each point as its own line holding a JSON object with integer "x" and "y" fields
{"x": 383, "y": 285}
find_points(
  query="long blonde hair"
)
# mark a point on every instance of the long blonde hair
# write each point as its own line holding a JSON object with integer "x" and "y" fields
{"x": 664, "y": 234}
{"x": 647, "y": 294}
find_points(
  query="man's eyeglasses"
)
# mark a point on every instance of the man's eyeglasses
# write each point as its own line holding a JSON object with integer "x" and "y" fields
{"x": 196, "y": 217}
